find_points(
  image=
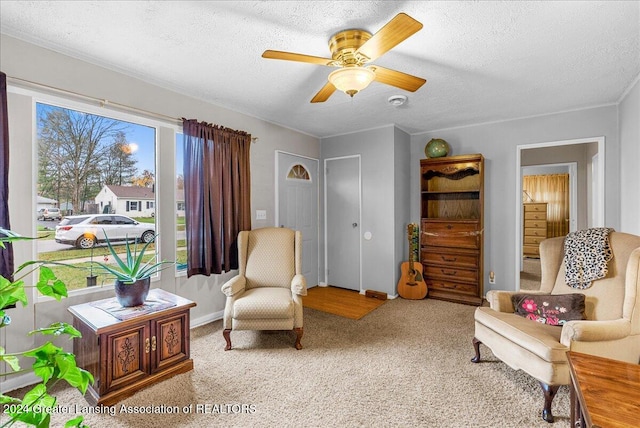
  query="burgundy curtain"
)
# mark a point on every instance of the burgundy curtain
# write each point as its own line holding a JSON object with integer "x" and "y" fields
{"x": 6, "y": 254}
{"x": 217, "y": 190}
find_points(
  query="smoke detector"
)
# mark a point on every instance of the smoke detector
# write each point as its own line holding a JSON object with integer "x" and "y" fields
{"x": 397, "y": 100}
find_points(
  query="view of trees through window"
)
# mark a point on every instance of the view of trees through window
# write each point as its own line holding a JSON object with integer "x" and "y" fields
{"x": 96, "y": 176}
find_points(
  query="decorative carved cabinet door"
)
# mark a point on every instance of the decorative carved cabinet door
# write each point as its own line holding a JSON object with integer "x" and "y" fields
{"x": 127, "y": 356}
{"x": 171, "y": 338}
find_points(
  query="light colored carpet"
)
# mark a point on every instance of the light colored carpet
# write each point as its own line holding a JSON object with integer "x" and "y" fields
{"x": 531, "y": 274}
{"x": 406, "y": 364}
{"x": 341, "y": 302}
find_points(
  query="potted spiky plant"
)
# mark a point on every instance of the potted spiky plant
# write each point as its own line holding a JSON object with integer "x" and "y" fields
{"x": 132, "y": 272}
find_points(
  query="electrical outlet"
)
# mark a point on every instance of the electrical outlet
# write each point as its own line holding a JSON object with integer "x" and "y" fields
{"x": 492, "y": 277}
{"x": 261, "y": 214}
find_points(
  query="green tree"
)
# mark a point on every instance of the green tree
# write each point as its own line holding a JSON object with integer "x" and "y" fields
{"x": 71, "y": 145}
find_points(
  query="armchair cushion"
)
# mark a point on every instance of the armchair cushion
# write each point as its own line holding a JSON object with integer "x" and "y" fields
{"x": 551, "y": 309}
{"x": 541, "y": 340}
{"x": 264, "y": 303}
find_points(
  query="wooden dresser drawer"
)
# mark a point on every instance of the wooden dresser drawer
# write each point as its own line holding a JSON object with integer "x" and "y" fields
{"x": 539, "y": 232}
{"x": 533, "y": 240}
{"x": 451, "y": 259}
{"x": 535, "y": 224}
{"x": 534, "y": 215}
{"x": 532, "y": 207}
{"x": 451, "y": 273}
{"x": 531, "y": 250}
{"x": 455, "y": 234}
{"x": 437, "y": 284}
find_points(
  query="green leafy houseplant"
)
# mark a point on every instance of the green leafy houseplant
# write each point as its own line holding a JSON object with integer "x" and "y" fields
{"x": 51, "y": 363}
{"x": 132, "y": 272}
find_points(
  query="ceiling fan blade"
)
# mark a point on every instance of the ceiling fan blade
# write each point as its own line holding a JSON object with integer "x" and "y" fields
{"x": 398, "y": 79}
{"x": 290, "y": 56}
{"x": 324, "y": 93}
{"x": 401, "y": 27}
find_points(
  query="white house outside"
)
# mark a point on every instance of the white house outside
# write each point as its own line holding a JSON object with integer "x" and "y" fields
{"x": 132, "y": 201}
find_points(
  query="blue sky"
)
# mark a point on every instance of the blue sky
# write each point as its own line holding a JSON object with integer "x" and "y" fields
{"x": 143, "y": 138}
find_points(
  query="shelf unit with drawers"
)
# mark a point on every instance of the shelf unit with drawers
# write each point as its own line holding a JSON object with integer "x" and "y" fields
{"x": 535, "y": 228}
{"x": 452, "y": 227}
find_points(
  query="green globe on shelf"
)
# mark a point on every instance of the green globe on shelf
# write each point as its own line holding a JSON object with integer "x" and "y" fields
{"x": 436, "y": 148}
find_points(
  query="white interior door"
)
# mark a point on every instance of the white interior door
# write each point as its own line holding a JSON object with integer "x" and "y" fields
{"x": 342, "y": 222}
{"x": 297, "y": 206}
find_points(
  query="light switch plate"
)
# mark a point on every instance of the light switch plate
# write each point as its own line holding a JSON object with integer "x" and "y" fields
{"x": 261, "y": 214}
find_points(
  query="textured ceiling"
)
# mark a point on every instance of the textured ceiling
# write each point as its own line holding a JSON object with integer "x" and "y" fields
{"x": 483, "y": 61}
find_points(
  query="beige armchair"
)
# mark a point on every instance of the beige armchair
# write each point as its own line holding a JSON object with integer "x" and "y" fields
{"x": 267, "y": 292}
{"x": 611, "y": 328}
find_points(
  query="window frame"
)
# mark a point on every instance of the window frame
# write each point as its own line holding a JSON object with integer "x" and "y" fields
{"x": 71, "y": 103}
{"x": 178, "y": 134}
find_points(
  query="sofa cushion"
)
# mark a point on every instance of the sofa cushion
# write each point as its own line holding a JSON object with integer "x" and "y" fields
{"x": 540, "y": 339}
{"x": 264, "y": 303}
{"x": 551, "y": 309}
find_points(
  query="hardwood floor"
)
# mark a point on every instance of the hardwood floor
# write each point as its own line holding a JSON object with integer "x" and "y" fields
{"x": 339, "y": 301}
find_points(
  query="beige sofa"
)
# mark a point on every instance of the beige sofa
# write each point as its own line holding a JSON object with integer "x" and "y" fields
{"x": 267, "y": 292}
{"x": 611, "y": 328}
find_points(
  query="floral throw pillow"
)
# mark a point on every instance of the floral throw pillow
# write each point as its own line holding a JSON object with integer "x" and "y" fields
{"x": 552, "y": 309}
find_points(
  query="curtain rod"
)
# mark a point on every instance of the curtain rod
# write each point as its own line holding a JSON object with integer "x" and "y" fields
{"x": 101, "y": 101}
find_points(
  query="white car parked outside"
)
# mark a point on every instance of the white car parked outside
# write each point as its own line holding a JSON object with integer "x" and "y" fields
{"x": 87, "y": 230}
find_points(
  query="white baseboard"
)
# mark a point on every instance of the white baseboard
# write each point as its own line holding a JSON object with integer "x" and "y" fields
{"x": 206, "y": 319}
{"x": 11, "y": 382}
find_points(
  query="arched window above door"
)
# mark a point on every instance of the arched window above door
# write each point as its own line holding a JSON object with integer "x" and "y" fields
{"x": 298, "y": 172}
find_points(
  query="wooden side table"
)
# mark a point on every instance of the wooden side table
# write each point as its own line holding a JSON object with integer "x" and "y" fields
{"x": 127, "y": 349}
{"x": 604, "y": 392}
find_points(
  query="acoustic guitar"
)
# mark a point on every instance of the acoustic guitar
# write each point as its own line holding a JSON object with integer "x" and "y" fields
{"x": 411, "y": 284}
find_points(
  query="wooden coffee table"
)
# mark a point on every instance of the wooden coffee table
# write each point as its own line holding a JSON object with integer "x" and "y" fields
{"x": 127, "y": 349}
{"x": 604, "y": 392}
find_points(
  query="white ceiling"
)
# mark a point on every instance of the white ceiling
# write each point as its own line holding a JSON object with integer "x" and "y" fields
{"x": 483, "y": 61}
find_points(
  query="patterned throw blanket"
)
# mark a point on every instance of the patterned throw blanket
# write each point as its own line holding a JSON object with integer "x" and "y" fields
{"x": 586, "y": 255}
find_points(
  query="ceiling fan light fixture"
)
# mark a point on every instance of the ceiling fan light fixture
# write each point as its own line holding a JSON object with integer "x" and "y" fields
{"x": 351, "y": 80}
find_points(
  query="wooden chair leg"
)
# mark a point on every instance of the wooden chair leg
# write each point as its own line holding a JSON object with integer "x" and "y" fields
{"x": 476, "y": 346}
{"x": 549, "y": 393}
{"x": 299, "y": 332}
{"x": 226, "y": 333}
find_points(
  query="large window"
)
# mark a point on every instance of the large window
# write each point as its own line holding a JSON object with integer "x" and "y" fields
{"x": 96, "y": 177}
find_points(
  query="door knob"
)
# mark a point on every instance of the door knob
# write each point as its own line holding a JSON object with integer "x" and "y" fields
{"x": 354, "y": 224}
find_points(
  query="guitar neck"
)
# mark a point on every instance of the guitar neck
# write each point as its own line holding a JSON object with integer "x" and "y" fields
{"x": 413, "y": 244}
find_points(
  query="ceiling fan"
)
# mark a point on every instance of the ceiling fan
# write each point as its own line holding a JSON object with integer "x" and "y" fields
{"x": 352, "y": 49}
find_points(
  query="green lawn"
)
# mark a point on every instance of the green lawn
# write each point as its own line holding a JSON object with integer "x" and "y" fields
{"x": 75, "y": 276}
{"x": 76, "y": 253}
